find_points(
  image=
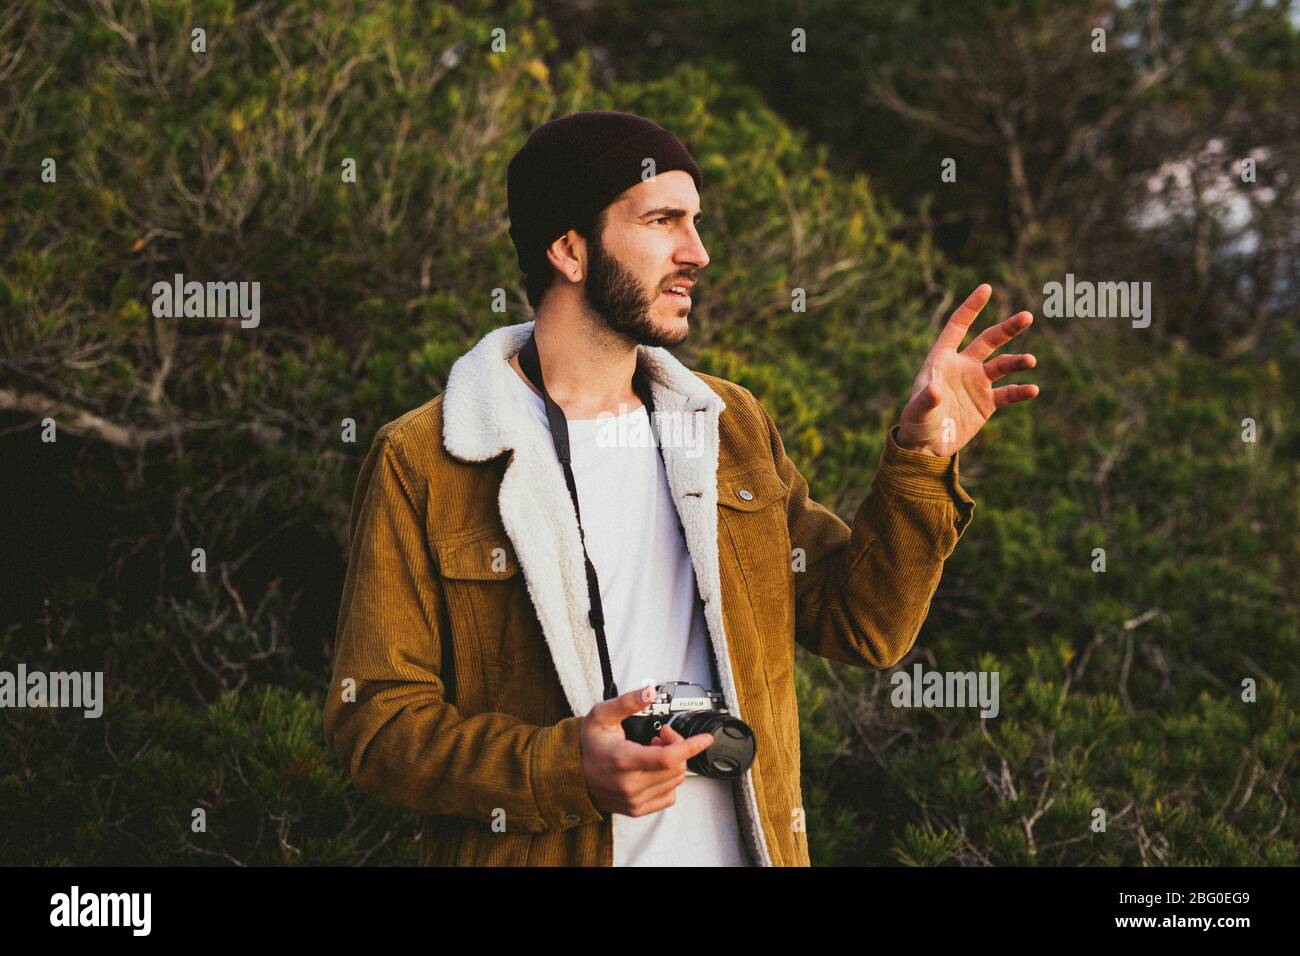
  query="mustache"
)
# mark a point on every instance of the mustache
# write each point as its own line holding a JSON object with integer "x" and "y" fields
{"x": 681, "y": 278}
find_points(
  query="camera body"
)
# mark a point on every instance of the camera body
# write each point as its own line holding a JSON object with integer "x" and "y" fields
{"x": 691, "y": 709}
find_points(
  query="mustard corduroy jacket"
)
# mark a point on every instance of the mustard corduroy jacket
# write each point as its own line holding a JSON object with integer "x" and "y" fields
{"x": 464, "y": 660}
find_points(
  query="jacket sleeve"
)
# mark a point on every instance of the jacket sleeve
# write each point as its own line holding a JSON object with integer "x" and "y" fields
{"x": 865, "y": 591}
{"x": 397, "y": 737}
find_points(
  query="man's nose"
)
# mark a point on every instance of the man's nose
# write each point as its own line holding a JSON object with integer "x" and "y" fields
{"x": 693, "y": 250}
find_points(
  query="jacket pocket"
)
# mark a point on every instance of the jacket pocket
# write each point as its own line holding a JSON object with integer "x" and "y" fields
{"x": 488, "y": 603}
{"x": 752, "y": 490}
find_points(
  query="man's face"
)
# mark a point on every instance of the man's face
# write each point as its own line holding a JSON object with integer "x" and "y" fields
{"x": 648, "y": 244}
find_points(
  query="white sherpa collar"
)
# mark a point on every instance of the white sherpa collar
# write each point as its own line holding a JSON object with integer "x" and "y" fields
{"x": 480, "y": 417}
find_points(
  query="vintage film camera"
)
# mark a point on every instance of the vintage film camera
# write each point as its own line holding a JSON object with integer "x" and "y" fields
{"x": 690, "y": 709}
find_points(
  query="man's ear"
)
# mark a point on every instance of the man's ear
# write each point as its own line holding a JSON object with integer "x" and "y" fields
{"x": 568, "y": 254}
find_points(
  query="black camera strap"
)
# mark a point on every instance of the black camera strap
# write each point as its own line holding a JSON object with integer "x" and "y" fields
{"x": 532, "y": 366}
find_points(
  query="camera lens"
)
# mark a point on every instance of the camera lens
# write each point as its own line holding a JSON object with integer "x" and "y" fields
{"x": 733, "y": 748}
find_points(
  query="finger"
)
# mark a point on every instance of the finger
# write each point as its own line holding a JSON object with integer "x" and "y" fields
{"x": 663, "y": 803}
{"x": 657, "y": 779}
{"x": 663, "y": 788}
{"x": 668, "y": 736}
{"x": 1010, "y": 394}
{"x": 996, "y": 336}
{"x": 927, "y": 396}
{"x": 647, "y": 766}
{"x": 654, "y": 760}
{"x": 611, "y": 712}
{"x": 684, "y": 750}
{"x": 959, "y": 324}
{"x": 1004, "y": 365}
{"x": 670, "y": 756}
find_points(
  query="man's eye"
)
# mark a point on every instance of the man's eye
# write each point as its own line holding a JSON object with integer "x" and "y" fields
{"x": 662, "y": 219}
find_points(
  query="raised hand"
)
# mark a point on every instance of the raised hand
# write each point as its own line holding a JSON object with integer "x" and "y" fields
{"x": 953, "y": 395}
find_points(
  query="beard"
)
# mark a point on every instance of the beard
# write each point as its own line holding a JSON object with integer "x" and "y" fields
{"x": 616, "y": 296}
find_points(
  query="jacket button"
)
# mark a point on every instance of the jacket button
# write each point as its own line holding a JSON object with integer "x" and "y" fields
{"x": 744, "y": 493}
{"x": 571, "y": 818}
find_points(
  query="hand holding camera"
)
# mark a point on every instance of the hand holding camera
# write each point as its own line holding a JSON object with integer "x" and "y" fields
{"x": 627, "y": 777}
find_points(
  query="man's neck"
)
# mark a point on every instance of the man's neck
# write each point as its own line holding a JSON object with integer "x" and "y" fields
{"x": 588, "y": 371}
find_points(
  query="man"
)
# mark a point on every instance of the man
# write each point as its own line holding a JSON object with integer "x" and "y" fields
{"x": 469, "y": 679}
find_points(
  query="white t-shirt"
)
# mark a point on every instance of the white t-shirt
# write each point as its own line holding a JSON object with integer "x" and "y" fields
{"x": 654, "y": 620}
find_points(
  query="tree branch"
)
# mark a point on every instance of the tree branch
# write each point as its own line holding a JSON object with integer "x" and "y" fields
{"x": 81, "y": 422}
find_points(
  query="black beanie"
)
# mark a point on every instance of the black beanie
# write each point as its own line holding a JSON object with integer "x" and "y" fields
{"x": 573, "y": 167}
